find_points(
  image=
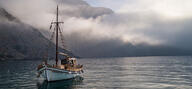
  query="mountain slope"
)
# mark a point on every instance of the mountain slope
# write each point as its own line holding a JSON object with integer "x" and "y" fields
{"x": 118, "y": 48}
{"x": 19, "y": 40}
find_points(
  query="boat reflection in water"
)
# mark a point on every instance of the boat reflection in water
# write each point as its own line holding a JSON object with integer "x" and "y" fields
{"x": 65, "y": 84}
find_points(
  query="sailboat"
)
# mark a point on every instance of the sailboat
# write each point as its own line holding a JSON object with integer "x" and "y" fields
{"x": 66, "y": 69}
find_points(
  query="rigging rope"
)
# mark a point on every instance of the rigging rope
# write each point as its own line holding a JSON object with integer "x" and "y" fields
{"x": 46, "y": 55}
{"x": 54, "y": 33}
{"x": 62, "y": 40}
{"x": 61, "y": 6}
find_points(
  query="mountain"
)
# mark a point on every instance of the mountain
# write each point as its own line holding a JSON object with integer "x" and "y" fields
{"x": 80, "y": 8}
{"x": 117, "y": 48}
{"x": 19, "y": 40}
{"x": 130, "y": 50}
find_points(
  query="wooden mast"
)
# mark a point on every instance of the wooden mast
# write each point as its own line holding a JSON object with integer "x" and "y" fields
{"x": 57, "y": 28}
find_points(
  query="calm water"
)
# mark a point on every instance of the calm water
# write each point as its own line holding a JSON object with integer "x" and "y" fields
{"x": 108, "y": 73}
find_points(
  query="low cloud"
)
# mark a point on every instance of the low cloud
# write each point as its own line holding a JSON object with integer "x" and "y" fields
{"x": 95, "y": 31}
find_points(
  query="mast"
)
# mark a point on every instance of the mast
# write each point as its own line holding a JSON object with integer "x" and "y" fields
{"x": 57, "y": 34}
{"x": 57, "y": 28}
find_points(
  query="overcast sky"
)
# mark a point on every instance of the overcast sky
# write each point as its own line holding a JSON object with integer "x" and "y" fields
{"x": 169, "y": 8}
{"x": 154, "y": 22}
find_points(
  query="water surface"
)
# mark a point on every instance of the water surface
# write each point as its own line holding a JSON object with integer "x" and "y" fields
{"x": 107, "y": 73}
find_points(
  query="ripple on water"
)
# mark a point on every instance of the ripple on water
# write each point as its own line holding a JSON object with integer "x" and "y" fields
{"x": 113, "y": 73}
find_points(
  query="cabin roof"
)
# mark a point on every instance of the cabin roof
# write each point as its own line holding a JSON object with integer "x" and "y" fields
{"x": 72, "y": 58}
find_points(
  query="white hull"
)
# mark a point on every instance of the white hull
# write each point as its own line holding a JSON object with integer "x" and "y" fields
{"x": 54, "y": 74}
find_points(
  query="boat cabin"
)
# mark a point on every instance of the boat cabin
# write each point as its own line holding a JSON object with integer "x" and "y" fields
{"x": 70, "y": 61}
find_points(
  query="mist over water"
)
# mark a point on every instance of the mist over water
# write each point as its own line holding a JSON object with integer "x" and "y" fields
{"x": 138, "y": 28}
{"x": 107, "y": 73}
